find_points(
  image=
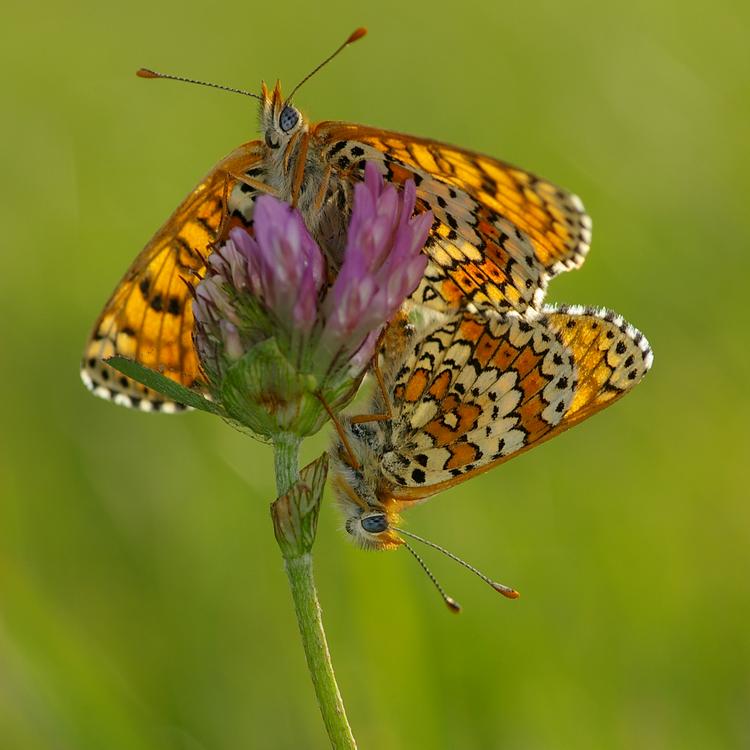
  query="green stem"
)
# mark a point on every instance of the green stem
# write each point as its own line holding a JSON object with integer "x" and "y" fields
{"x": 300, "y": 573}
{"x": 295, "y": 519}
{"x": 286, "y": 460}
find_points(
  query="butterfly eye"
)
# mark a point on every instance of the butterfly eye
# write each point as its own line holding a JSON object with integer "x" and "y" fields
{"x": 289, "y": 118}
{"x": 375, "y": 524}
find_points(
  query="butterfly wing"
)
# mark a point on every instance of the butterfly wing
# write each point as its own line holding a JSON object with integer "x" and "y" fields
{"x": 478, "y": 390}
{"x": 500, "y": 233}
{"x": 149, "y": 317}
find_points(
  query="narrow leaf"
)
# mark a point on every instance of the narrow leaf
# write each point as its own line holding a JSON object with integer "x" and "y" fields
{"x": 163, "y": 385}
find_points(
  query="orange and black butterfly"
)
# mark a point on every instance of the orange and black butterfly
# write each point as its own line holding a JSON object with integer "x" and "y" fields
{"x": 466, "y": 392}
{"x": 499, "y": 234}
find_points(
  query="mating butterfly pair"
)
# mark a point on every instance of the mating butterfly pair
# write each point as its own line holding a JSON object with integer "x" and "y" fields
{"x": 489, "y": 374}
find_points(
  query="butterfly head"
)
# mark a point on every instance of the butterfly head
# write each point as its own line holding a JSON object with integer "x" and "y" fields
{"x": 370, "y": 512}
{"x": 371, "y": 527}
{"x": 280, "y": 120}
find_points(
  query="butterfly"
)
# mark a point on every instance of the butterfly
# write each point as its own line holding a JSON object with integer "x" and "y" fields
{"x": 499, "y": 233}
{"x": 467, "y": 391}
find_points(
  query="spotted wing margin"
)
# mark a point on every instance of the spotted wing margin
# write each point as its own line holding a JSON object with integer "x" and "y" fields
{"x": 149, "y": 317}
{"x": 500, "y": 233}
{"x": 478, "y": 390}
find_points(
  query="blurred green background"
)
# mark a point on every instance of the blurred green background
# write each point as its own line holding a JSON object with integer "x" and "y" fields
{"x": 143, "y": 603}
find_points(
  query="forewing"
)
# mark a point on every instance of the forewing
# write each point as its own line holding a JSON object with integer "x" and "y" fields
{"x": 149, "y": 316}
{"x": 477, "y": 390}
{"x": 499, "y": 232}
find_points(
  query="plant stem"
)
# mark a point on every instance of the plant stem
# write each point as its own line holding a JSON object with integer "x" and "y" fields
{"x": 295, "y": 515}
{"x": 286, "y": 461}
{"x": 300, "y": 573}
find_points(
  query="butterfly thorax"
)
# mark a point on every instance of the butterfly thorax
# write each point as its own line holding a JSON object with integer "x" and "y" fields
{"x": 293, "y": 168}
{"x": 285, "y": 135}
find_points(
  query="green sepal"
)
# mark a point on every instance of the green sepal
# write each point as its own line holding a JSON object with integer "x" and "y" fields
{"x": 263, "y": 391}
{"x": 295, "y": 514}
{"x": 163, "y": 385}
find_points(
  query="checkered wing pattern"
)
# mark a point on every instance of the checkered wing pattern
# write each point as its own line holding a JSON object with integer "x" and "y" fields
{"x": 476, "y": 390}
{"x": 500, "y": 233}
{"x": 149, "y": 317}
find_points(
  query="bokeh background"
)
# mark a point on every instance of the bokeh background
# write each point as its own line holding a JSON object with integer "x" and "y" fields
{"x": 143, "y": 603}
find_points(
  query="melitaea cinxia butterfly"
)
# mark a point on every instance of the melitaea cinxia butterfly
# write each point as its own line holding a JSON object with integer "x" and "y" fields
{"x": 468, "y": 391}
{"x": 499, "y": 234}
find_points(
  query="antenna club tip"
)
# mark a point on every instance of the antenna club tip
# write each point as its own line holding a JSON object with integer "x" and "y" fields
{"x": 506, "y": 591}
{"x": 356, "y": 34}
{"x": 146, "y": 73}
{"x": 452, "y": 604}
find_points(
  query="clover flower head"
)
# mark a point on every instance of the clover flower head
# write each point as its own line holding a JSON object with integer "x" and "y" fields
{"x": 265, "y": 308}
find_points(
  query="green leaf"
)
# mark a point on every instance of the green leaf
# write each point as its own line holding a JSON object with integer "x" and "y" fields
{"x": 163, "y": 385}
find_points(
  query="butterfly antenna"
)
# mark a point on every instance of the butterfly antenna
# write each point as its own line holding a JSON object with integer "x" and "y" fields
{"x": 146, "y": 73}
{"x": 506, "y": 591}
{"x": 353, "y": 37}
{"x": 450, "y": 602}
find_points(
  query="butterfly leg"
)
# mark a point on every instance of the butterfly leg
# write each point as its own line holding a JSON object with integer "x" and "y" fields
{"x": 225, "y": 217}
{"x": 388, "y": 413}
{"x": 255, "y": 184}
{"x": 299, "y": 168}
{"x": 323, "y": 189}
{"x": 224, "y": 207}
{"x": 353, "y": 462}
{"x": 394, "y": 339}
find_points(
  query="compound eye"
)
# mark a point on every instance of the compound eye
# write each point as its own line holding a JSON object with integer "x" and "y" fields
{"x": 375, "y": 524}
{"x": 289, "y": 118}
